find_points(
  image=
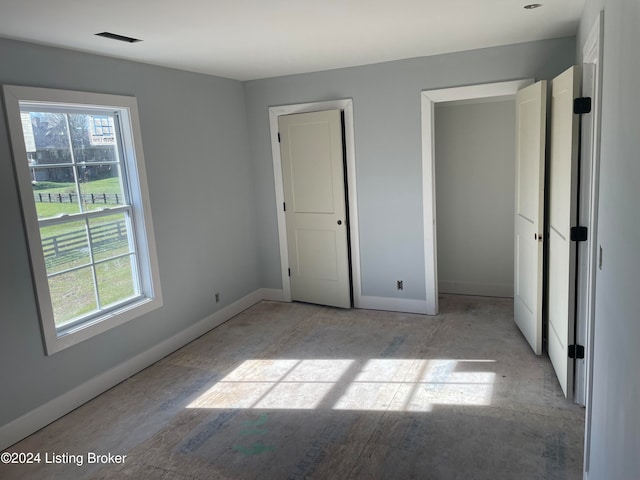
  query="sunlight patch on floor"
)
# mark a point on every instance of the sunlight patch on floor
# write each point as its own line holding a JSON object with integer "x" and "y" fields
{"x": 404, "y": 385}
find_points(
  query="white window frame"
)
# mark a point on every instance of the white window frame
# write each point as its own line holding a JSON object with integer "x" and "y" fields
{"x": 56, "y": 339}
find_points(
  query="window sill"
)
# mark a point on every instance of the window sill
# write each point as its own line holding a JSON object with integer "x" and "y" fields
{"x": 56, "y": 341}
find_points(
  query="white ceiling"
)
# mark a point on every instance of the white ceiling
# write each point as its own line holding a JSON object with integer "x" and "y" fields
{"x": 249, "y": 39}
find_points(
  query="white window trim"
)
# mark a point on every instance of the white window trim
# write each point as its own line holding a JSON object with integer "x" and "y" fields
{"x": 149, "y": 275}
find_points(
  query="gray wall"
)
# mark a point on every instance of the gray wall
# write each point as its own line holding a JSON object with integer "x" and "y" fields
{"x": 194, "y": 134}
{"x": 615, "y": 427}
{"x": 386, "y": 99}
{"x": 475, "y": 190}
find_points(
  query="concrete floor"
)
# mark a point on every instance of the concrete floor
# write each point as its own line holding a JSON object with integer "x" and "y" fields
{"x": 296, "y": 391}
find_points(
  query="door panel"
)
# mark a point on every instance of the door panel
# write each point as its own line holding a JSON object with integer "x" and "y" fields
{"x": 529, "y": 211}
{"x": 563, "y": 178}
{"x": 313, "y": 247}
{"x": 314, "y": 191}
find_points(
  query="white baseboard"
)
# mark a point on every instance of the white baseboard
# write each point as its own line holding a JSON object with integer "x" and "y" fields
{"x": 272, "y": 294}
{"x": 43, "y": 415}
{"x": 388, "y": 304}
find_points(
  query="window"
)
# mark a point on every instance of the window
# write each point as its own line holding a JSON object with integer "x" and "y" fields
{"x": 80, "y": 171}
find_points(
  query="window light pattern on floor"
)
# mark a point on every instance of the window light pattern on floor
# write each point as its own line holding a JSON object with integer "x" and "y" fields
{"x": 409, "y": 385}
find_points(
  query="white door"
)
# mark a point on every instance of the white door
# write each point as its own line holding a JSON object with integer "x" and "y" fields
{"x": 529, "y": 212}
{"x": 562, "y": 211}
{"x": 315, "y": 207}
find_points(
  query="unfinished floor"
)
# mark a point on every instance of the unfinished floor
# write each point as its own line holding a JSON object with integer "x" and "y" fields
{"x": 295, "y": 391}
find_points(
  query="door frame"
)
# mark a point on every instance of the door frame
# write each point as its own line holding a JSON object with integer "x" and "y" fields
{"x": 346, "y": 106}
{"x": 592, "y": 57}
{"x": 428, "y": 100}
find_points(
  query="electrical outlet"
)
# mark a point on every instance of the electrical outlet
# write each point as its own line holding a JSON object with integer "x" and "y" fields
{"x": 400, "y": 285}
{"x": 217, "y": 296}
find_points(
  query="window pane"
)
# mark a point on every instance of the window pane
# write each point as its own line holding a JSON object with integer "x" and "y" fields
{"x": 92, "y": 141}
{"x": 54, "y": 191}
{"x": 99, "y": 138}
{"x": 65, "y": 246}
{"x": 109, "y": 236}
{"x": 115, "y": 280}
{"x": 72, "y": 295}
{"x": 100, "y": 186}
{"x": 46, "y": 138}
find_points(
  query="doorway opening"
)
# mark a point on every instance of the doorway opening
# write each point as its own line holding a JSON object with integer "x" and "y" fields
{"x": 429, "y": 100}
{"x": 474, "y": 174}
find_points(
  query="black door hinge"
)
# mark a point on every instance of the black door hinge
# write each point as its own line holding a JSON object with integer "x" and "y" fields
{"x": 278, "y": 137}
{"x": 576, "y": 351}
{"x": 578, "y": 234}
{"x": 289, "y": 271}
{"x": 284, "y": 206}
{"x": 582, "y": 105}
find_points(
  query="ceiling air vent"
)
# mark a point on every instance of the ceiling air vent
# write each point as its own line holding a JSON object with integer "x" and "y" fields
{"x": 115, "y": 36}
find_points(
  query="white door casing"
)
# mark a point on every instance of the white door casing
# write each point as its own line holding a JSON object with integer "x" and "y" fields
{"x": 592, "y": 56}
{"x": 314, "y": 191}
{"x": 346, "y": 107}
{"x": 429, "y": 98}
{"x": 562, "y": 211}
{"x": 587, "y": 216}
{"x": 529, "y": 211}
